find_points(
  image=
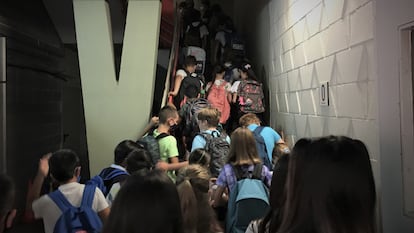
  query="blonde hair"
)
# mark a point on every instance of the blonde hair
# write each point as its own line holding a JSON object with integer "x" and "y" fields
{"x": 280, "y": 150}
{"x": 211, "y": 115}
{"x": 192, "y": 186}
{"x": 247, "y": 119}
{"x": 243, "y": 148}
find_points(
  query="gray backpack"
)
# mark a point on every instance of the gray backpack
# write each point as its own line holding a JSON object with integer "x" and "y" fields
{"x": 218, "y": 147}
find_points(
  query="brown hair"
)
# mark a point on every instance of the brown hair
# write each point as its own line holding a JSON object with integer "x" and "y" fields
{"x": 243, "y": 148}
{"x": 192, "y": 186}
{"x": 247, "y": 119}
{"x": 211, "y": 115}
{"x": 167, "y": 112}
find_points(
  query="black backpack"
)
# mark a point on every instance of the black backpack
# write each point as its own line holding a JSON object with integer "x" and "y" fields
{"x": 218, "y": 147}
{"x": 235, "y": 45}
{"x": 192, "y": 36}
{"x": 150, "y": 143}
{"x": 190, "y": 80}
{"x": 261, "y": 147}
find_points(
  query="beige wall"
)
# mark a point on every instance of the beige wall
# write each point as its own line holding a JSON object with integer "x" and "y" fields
{"x": 355, "y": 46}
{"x": 115, "y": 111}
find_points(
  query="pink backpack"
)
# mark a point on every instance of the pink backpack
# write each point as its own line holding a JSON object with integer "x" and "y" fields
{"x": 217, "y": 96}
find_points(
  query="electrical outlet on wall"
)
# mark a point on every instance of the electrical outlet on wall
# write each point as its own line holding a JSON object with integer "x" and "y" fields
{"x": 324, "y": 94}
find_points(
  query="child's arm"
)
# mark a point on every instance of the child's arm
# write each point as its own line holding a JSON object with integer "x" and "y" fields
{"x": 153, "y": 122}
{"x": 218, "y": 198}
{"x": 234, "y": 97}
{"x": 172, "y": 166}
{"x": 42, "y": 172}
{"x": 177, "y": 84}
{"x": 103, "y": 214}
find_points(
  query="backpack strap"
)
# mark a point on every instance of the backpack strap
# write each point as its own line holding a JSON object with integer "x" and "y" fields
{"x": 257, "y": 171}
{"x": 237, "y": 172}
{"x": 258, "y": 130}
{"x": 161, "y": 136}
{"x": 88, "y": 195}
{"x": 114, "y": 173}
{"x": 60, "y": 200}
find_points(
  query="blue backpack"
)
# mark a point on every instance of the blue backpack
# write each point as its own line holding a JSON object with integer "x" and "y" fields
{"x": 261, "y": 147}
{"x": 105, "y": 177}
{"x": 248, "y": 200}
{"x": 75, "y": 219}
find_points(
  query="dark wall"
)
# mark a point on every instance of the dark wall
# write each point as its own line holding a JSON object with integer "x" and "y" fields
{"x": 37, "y": 91}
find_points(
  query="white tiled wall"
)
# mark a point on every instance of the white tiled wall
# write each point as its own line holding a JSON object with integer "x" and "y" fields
{"x": 315, "y": 41}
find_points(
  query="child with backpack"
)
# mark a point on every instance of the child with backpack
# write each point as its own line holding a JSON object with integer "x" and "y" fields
{"x": 116, "y": 172}
{"x": 193, "y": 190}
{"x": 168, "y": 120}
{"x": 248, "y": 92}
{"x": 218, "y": 93}
{"x": 84, "y": 205}
{"x": 188, "y": 114}
{"x": 136, "y": 161}
{"x": 266, "y": 137}
{"x": 247, "y": 181}
{"x": 211, "y": 139}
{"x": 183, "y": 78}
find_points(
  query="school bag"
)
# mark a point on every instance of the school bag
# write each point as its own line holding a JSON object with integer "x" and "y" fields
{"x": 261, "y": 147}
{"x": 192, "y": 36}
{"x": 190, "y": 80}
{"x": 217, "y": 96}
{"x": 150, "y": 143}
{"x": 235, "y": 45}
{"x": 248, "y": 200}
{"x": 251, "y": 95}
{"x": 190, "y": 123}
{"x": 77, "y": 219}
{"x": 106, "y": 178}
{"x": 218, "y": 147}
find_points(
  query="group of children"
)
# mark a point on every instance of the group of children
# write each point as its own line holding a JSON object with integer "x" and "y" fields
{"x": 323, "y": 185}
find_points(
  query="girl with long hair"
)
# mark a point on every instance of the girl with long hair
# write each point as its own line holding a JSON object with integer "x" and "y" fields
{"x": 193, "y": 184}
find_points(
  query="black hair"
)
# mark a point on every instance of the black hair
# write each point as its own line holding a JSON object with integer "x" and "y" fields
{"x": 123, "y": 149}
{"x": 217, "y": 70}
{"x": 62, "y": 165}
{"x": 146, "y": 204}
{"x": 271, "y": 221}
{"x": 138, "y": 160}
{"x": 247, "y": 68}
{"x": 191, "y": 91}
{"x": 329, "y": 187}
{"x": 190, "y": 60}
{"x": 200, "y": 156}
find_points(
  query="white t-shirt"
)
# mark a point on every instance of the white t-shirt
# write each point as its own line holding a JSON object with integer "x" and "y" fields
{"x": 112, "y": 193}
{"x": 45, "y": 207}
{"x": 181, "y": 73}
{"x": 235, "y": 86}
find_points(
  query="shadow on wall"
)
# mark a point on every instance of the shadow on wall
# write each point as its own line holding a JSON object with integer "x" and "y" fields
{"x": 265, "y": 82}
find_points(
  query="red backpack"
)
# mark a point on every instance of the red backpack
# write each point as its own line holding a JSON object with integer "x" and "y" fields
{"x": 217, "y": 96}
{"x": 251, "y": 96}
